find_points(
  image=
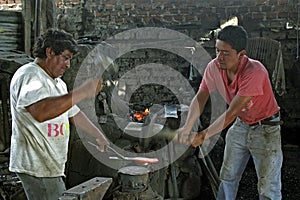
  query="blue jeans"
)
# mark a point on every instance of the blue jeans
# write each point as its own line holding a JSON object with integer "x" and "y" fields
{"x": 42, "y": 188}
{"x": 263, "y": 144}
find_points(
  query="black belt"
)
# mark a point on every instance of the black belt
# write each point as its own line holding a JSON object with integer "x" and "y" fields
{"x": 268, "y": 121}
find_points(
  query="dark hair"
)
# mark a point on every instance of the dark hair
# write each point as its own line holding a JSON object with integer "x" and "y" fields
{"x": 57, "y": 40}
{"x": 235, "y": 36}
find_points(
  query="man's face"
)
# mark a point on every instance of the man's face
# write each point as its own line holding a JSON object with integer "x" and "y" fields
{"x": 58, "y": 64}
{"x": 227, "y": 57}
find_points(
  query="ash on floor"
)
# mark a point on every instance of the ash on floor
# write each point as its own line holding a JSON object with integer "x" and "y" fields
{"x": 290, "y": 176}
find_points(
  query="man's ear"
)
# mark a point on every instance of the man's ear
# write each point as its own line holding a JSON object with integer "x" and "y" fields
{"x": 49, "y": 52}
{"x": 242, "y": 53}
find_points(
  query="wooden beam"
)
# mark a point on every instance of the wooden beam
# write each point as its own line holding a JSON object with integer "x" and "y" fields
{"x": 27, "y": 13}
{"x": 5, "y": 111}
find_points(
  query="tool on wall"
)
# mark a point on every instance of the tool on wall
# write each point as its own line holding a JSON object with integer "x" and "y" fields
{"x": 297, "y": 27}
{"x": 296, "y": 65}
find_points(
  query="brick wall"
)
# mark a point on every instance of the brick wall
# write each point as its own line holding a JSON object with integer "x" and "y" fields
{"x": 11, "y": 5}
{"x": 10, "y": 1}
{"x": 205, "y": 13}
{"x": 260, "y": 17}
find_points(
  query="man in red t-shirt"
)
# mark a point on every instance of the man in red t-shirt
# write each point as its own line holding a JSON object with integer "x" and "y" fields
{"x": 245, "y": 86}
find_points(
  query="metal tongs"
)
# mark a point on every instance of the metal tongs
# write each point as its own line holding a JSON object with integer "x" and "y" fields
{"x": 121, "y": 157}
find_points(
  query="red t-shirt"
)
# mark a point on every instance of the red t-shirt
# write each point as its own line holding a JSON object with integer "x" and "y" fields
{"x": 251, "y": 79}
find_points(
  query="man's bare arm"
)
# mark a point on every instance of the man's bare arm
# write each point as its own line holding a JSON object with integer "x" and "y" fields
{"x": 237, "y": 104}
{"x": 52, "y": 107}
{"x": 195, "y": 110}
{"x": 82, "y": 122}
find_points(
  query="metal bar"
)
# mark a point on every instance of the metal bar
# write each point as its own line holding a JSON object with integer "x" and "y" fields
{"x": 214, "y": 181}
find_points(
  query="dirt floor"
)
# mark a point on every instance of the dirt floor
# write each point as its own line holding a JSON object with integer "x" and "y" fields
{"x": 290, "y": 174}
{"x": 290, "y": 177}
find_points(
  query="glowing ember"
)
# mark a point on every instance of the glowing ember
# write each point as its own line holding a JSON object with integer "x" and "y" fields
{"x": 139, "y": 116}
